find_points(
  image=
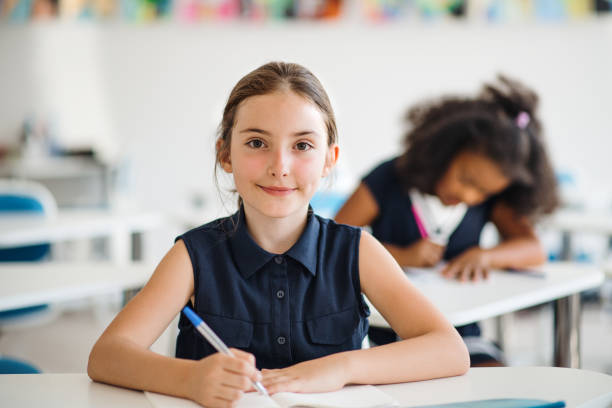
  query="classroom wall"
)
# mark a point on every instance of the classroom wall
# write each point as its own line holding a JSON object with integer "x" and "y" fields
{"x": 151, "y": 95}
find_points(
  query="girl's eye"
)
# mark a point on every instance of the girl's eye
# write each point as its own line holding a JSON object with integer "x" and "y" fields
{"x": 255, "y": 143}
{"x": 303, "y": 146}
{"x": 468, "y": 182}
{"x": 465, "y": 180}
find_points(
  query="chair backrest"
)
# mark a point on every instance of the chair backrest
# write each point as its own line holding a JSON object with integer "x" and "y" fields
{"x": 23, "y": 196}
{"x": 14, "y": 366}
{"x": 327, "y": 203}
{"x": 26, "y": 195}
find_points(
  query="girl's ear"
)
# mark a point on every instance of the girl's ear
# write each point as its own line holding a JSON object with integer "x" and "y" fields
{"x": 331, "y": 159}
{"x": 223, "y": 156}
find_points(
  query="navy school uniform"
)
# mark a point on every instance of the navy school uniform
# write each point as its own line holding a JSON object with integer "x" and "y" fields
{"x": 395, "y": 224}
{"x": 284, "y": 309}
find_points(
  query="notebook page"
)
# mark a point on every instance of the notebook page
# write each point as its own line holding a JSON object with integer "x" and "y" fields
{"x": 426, "y": 275}
{"x": 256, "y": 400}
{"x": 249, "y": 399}
{"x": 352, "y": 396}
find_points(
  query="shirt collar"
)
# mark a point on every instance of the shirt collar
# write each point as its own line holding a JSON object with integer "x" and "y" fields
{"x": 250, "y": 257}
{"x": 305, "y": 249}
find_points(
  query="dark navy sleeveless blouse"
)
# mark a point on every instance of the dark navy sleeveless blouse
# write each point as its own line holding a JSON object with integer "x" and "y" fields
{"x": 284, "y": 309}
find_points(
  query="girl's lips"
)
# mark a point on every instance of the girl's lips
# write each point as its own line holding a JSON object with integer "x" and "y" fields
{"x": 278, "y": 191}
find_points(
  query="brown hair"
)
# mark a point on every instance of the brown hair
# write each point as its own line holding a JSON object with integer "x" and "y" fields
{"x": 487, "y": 124}
{"x": 269, "y": 78}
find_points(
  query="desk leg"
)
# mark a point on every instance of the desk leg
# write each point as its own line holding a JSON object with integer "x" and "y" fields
{"x": 502, "y": 322}
{"x": 137, "y": 250}
{"x": 566, "y": 246}
{"x": 135, "y": 256}
{"x": 120, "y": 248}
{"x": 567, "y": 331}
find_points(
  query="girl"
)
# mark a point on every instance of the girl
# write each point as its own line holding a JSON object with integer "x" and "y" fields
{"x": 467, "y": 161}
{"x": 279, "y": 284}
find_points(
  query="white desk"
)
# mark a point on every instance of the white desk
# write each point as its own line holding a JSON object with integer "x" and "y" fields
{"x": 18, "y": 229}
{"x": 26, "y": 284}
{"x": 586, "y": 389}
{"x": 506, "y": 292}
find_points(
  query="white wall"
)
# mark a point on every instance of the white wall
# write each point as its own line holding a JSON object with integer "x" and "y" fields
{"x": 156, "y": 91}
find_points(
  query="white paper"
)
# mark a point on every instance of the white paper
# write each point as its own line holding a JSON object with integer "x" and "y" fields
{"x": 355, "y": 396}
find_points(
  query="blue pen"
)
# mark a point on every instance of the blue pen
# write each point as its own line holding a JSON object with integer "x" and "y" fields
{"x": 215, "y": 341}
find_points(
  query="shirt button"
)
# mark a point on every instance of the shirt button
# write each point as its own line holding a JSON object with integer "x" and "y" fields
{"x": 281, "y": 340}
{"x": 280, "y": 294}
{"x": 278, "y": 259}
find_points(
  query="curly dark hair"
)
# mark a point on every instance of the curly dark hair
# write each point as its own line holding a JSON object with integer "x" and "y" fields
{"x": 486, "y": 124}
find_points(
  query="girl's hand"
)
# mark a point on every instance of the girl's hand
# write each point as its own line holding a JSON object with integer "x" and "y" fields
{"x": 473, "y": 265}
{"x": 219, "y": 380}
{"x": 318, "y": 375}
{"x": 424, "y": 253}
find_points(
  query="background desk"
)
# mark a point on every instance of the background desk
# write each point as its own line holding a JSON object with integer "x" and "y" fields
{"x": 26, "y": 284}
{"x": 586, "y": 389}
{"x": 18, "y": 229}
{"x": 506, "y": 292}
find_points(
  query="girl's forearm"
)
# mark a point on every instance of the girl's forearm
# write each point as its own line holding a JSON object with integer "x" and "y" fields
{"x": 397, "y": 254}
{"x": 402, "y": 256}
{"x": 123, "y": 363}
{"x": 432, "y": 355}
{"x": 516, "y": 253}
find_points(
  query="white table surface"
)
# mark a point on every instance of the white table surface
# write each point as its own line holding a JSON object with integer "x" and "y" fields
{"x": 578, "y": 388}
{"x": 19, "y": 229}
{"x": 503, "y": 292}
{"x": 26, "y": 284}
{"x": 65, "y": 391}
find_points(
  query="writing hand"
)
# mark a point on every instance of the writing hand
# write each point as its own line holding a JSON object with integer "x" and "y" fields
{"x": 425, "y": 253}
{"x": 472, "y": 265}
{"x": 219, "y": 380}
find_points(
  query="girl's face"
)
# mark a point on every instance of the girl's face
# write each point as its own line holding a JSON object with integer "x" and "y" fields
{"x": 278, "y": 153}
{"x": 470, "y": 178}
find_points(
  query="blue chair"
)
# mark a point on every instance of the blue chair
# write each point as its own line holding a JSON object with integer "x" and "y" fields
{"x": 14, "y": 366}
{"x": 21, "y": 197}
{"x": 327, "y": 203}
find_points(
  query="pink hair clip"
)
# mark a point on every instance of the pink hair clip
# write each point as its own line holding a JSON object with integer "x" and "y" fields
{"x": 522, "y": 120}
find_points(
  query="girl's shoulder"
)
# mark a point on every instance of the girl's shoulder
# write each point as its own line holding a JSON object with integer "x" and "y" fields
{"x": 330, "y": 224}
{"x": 385, "y": 170}
{"x": 334, "y": 233}
{"x": 383, "y": 181}
{"x": 213, "y": 231}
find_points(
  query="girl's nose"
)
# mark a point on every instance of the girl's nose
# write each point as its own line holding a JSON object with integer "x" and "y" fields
{"x": 471, "y": 196}
{"x": 279, "y": 165}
